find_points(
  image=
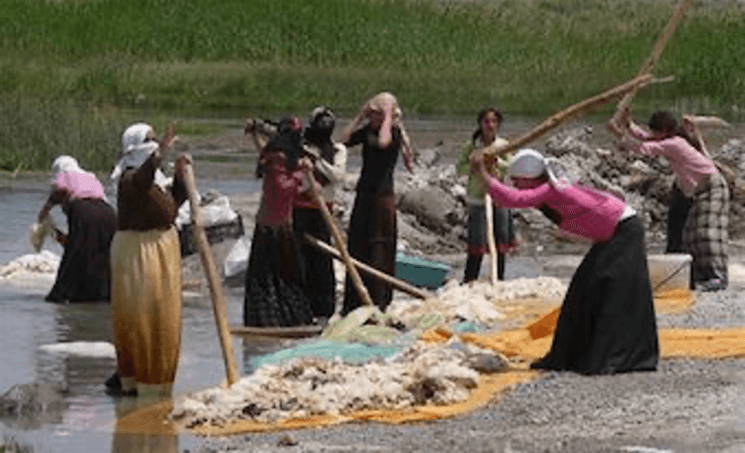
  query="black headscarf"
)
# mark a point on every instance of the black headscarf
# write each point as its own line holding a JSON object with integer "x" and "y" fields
{"x": 319, "y": 130}
{"x": 288, "y": 139}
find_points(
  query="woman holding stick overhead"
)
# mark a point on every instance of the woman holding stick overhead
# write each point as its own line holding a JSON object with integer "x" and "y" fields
{"x": 607, "y": 322}
{"x": 372, "y": 227}
{"x": 489, "y": 120}
{"x": 275, "y": 292}
{"x": 146, "y": 265}
{"x": 705, "y": 234}
{"x": 84, "y": 273}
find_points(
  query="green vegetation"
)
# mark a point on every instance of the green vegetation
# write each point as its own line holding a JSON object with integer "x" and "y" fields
{"x": 233, "y": 57}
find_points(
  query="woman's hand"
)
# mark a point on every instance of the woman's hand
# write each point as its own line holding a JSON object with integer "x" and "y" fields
{"x": 168, "y": 139}
{"x": 478, "y": 168}
{"x": 305, "y": 164}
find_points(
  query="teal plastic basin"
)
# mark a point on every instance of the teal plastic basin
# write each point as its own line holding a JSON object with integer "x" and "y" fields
{"x": 421, "y": 272}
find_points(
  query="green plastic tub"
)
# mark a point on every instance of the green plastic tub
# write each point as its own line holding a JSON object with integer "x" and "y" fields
{"x": 421, "y": 272}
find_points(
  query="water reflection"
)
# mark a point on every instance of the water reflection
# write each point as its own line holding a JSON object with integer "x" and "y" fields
{"x": 142, "y": 426}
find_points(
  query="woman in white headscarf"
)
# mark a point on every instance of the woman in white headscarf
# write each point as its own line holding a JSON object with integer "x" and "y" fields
{"x": 84, "y": 273}
{"x": 372, "y": 228}
{"x": 146, "y": 265}
{"x": 607, "y": 323}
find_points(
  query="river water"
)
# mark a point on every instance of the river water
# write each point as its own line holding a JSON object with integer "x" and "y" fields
{"x": 84, "y": 417}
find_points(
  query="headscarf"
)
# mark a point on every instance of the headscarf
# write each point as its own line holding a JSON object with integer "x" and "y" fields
{"x": 138, "y": 143}
{"x": 288, "y": 139}
{"x": 377, "y": 102}
{"x": 318, "y": 133}
{"x": 66, "y": 164}
{"x": 529, "y": 163}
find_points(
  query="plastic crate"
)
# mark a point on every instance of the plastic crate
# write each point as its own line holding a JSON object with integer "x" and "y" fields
{"x": 421, "y": 272}
{"x": 669, "y": 271}
{"x": 215, "y": 233}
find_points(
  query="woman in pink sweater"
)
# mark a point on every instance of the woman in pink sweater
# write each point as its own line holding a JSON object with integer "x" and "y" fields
{"x": 607, "y": 322}
{"x": 84, "y": 273}
{"x": 705, "y": 232}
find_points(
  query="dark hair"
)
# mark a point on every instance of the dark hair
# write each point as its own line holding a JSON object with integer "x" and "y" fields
{"x": 482, "y": 114}
{"x": 664, "y": 122}
{"x": 288, "y": 140}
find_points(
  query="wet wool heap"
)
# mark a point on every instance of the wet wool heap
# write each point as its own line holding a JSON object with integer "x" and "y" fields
{"x": 436, "y": 375}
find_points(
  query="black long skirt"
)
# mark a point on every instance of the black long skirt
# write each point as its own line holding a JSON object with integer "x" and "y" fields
{"x": 372, "y": 240}
{"x": 318, "y": 266}
{"x": 84, "y": 273}
{"x": 607, "y": 322}
{"x": 275, "y": 295}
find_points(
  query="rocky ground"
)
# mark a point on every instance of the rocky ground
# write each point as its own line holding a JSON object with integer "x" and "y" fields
{"x": 432, "y": 203}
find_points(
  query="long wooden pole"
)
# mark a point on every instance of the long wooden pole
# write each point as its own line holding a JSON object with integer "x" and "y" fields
{"x": 219, "y": 305}
{"x": 359, "y": 286}
{"x": 400, "y": 284}
{"x": 490, "y": 242}
{"x": 570, "y": 112}
{"x": 659, "y": 46}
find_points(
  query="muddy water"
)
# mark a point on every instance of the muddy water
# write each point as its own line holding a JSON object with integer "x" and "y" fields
{"x": 84, "y": 418}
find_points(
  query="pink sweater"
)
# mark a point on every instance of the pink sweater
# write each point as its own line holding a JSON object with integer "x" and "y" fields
{"x": 278, "y": 191}
{"x": 79, "y": 185}
{"x": 689, "y": 164}
{"x": 584, "y": 211}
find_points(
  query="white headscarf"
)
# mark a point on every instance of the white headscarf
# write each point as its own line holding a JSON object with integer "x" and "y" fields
{"x": 529, "y": 163}
{"x": 137, "y": 146}
{"x": 66, "y": 164}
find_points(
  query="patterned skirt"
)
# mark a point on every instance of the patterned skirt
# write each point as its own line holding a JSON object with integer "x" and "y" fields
{"x": 146, "y": 308}
{"x": 275, "y": 294}
{"x": 84, "y": 273}
{"x": 705, "y": 234}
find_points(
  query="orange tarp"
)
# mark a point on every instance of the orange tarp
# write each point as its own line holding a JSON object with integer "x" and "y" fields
{"x": 521, "y": 346}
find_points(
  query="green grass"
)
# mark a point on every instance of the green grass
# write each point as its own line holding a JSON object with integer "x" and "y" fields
{"x": 266, "y": 57}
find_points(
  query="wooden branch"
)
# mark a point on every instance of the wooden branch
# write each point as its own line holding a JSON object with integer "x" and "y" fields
{"x": 278, "y": 332}
{"x": 400, "y": 284}
{"x": 557, "y": 119}
{"x": 489, "y": 212}
{"x": 659, "y": 46}
{"x": 219, "y": 304}
{"x": 359, "y": 286}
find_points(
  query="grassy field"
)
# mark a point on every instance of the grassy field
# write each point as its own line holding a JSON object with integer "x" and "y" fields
{"x": 235, "y": 57}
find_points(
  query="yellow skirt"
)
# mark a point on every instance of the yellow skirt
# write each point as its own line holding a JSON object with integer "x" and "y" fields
{"x": 146, "y": 308}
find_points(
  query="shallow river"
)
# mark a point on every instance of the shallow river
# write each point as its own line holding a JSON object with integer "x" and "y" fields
{"x": 84, "y": 418}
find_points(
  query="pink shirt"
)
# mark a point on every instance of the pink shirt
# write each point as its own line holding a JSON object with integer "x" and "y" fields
{"x": 584, "y": 211}
{"x": 79, "y": 185}
{"x": 278, "y": 191}
{"x": 689, "y": 164}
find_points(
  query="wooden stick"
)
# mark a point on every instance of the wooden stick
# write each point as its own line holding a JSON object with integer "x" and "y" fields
{"x": 219, "y": 305}
{"x": 400, "y": 284}
{"x": 490, "y": 238}
{"x": 339, "y": 240}
{"x": 659, "y": 46}
{"x": 278, "y": 332}
{"x": 570, "y": 112}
